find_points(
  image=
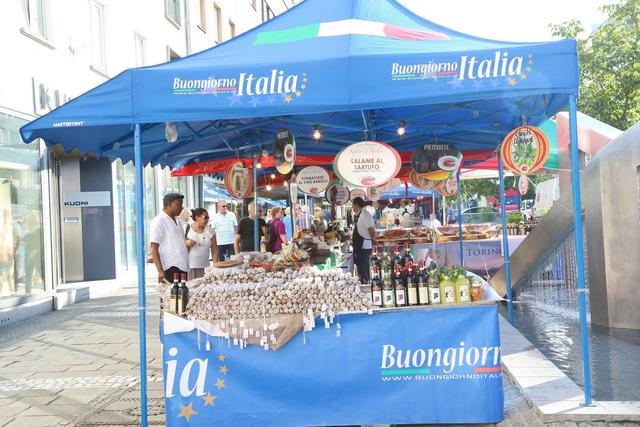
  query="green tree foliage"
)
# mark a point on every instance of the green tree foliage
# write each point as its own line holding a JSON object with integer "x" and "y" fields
{"x": 609, "y": 64}
{"x": 485, "y": 187}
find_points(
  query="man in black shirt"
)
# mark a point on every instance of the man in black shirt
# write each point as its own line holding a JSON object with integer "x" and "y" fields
{"x": 244, "y": 236}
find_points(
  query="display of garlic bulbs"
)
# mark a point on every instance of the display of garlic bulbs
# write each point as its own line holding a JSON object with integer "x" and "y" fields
{"x": 252, "y": 293}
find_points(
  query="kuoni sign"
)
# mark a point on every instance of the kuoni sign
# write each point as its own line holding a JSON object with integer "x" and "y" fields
{"x": 525, "y": 149}
{"x": 313, "y": 180}
{"x": 367, "y": 164}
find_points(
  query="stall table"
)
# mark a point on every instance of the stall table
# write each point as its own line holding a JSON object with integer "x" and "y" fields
{"x": 437, "y": 364}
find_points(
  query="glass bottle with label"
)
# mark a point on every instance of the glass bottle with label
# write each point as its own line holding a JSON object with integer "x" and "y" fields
{"x": 173, "y": 301}
{"x": 374, "y": 261}
{"x": 412, "y": 284}
{"x": 385, "y": 267}
{"x": 376, "y": 288}
{"x": 397, "y": 259}
{"x": 434, "y": 287}
{"x": 183, "y": 296}
{"x": 401, "y": 288}
{"x": 408, "y": 254}
{"x": 388, "y": 291}
{"x": 447, "y": 288}
{"x": 423, "y": 284}
{"x": 462, "y": 284}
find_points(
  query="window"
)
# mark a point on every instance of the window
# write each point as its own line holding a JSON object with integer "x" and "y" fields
{"x": 203, "y": 15}
{"x": 171, "y": 54}
{"x": 36, "y": 11}
{"x": 172, "y": 11}
{"x": 98, "y": 56}
{"x": 232, "y": 29}
{"x": 140, "y": 50}
{"x": 218, "y": 14}
{"x": 253, "y": 3}
{"x": 267, "y": 13}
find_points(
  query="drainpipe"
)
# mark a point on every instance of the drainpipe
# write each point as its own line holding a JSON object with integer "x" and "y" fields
{"x": 187, "y": 28}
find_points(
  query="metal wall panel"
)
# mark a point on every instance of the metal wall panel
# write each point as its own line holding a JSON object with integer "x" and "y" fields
{"x": 72, "y": 254}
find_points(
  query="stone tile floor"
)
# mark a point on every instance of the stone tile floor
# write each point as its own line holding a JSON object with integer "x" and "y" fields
{"x": 78, "y": 367}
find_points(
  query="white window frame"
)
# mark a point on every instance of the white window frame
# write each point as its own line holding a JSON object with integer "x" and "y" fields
{"x": 176, "y": 22}
{"x": 218, "y": 17}
{"x": 37, "y": 29}
{"x": 203, "y": 16}
{"x": 140, "y": 47}
{"x": 232, "y": 29}
{"x": 98, "y": 58}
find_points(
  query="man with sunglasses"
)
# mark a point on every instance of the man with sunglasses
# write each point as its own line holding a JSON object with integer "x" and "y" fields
{"x": 224, "y": 225}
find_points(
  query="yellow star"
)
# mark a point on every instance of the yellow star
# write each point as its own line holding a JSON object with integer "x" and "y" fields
{"x": 530, "y": 61}
{"x": 288, "y": 98}
{"x": 208, "y": 399}
{"x": 303, "y": 86}
{"x": 528, "y": 69}
{"x": 512, "y": 82}
{"x": 187, "y": 411}
{"x": 219, "y": 384}
{"x": 221, "y": 357}
{"x": 304, "y": 80}
{"x": 224, "y": 369}
{"x": 523, "y": 76}
{"x": 298, "y": 93}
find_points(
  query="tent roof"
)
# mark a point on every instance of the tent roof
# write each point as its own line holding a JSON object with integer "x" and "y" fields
{"x": 354, "y": 67}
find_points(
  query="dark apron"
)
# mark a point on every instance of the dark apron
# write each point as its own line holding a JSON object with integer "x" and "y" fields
{"x": 357, "y": 240}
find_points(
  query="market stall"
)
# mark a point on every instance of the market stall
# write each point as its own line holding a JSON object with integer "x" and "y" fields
{"x": 332, "y": 73}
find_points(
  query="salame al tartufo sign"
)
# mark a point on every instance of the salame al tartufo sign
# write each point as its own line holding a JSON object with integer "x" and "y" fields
{"x": 86, "y": 199}
{"x": 367, "y": 164}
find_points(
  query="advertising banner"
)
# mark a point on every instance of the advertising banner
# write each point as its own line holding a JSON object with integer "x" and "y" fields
{"x": 525, "y": 149}
{"x": 238, "y": 180}
{"x": 436, "y": 161}
{"x": 367, "y": 164}
{"x": 434, "y": 365}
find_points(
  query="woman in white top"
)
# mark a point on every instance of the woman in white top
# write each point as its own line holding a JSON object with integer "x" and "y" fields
{"x": 199, "y": 240}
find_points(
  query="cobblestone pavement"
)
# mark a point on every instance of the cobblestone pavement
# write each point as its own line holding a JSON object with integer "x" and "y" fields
{"x": 78, "y": 367}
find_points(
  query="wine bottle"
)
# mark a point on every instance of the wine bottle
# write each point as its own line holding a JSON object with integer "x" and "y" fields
{"x": 374, "y": 261}
{"x": 173, "y": 301}
{"x": 183, "y": 296}
{"x": 412, "y": 284}
{"x": 397, "y": 259}
{"x": 434, "y": 287}
{"x": 401, "y": 288}
{"x": 408, "y": 255}
{"x": 376, "y": 288}
{"x": 388, "y": 294}
{"x": 423, "y": 284}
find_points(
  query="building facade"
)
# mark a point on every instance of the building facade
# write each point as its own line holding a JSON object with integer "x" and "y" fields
{"x": 66, "y": 217}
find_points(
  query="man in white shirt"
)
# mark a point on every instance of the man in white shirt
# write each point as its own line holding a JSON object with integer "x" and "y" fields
{"x": 168, "y": 249}
{"x": 225, "y": 225}
{"x": 363, "y": 239}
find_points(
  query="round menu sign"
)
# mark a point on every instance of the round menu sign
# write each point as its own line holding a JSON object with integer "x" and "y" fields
{"x": 451, "y": 186}
{"x": 337, "y": 194}
{"x": 358, "y": 192}
{"x": 436, "y": 161}
{"x": 284, "y": 151}
{"x": 238, "y": 180}
{"x": 421, "y": 182}
{"x": 374, "y": 193}
{"x": 313, "y": 180}
{"x": 367, "y": 164}
{"x": 523, "y": 184}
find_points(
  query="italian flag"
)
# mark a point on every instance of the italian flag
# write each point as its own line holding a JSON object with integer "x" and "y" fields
{"x": 344, "y": 28}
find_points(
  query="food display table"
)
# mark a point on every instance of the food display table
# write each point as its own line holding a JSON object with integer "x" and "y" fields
{"x": 437, "y": 364}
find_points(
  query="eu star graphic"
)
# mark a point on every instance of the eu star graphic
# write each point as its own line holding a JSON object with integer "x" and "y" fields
{"x": 209, "y": 399}
{"x": 219, "y": 384}
{"x": 224, "y": 369}
{"x": 221, "y": 357}
{"x": 187, "y": 411}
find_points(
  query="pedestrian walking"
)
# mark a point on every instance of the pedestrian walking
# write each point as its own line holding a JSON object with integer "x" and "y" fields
{"x": 363, "y": 239}
{"x": 276, "y": 231}
{"x": 168, "y": 250}
{"x": 225, "y": 225}
{"x": 200, "y": 243}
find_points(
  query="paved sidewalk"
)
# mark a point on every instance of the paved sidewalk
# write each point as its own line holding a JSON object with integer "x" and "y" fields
{"x": 79, "y": 367}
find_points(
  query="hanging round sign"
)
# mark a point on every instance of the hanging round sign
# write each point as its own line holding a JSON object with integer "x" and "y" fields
{"x": 284, "y": 151}
{"x": 440, "y": 188}
{"x": 313, "y": 180}
{"x": 450, "y": 186}
{"x": 523, "y": 184}
{"x": 367, "y": 164}
{"x": 358, "y": 192}
{"x": 421, "y": 182}
{"x": 238, "y": 180}
{"x": 293, "y": 192}
{"x": 436, "y": 161}
{"x": 374, "y": 193}
{"x": 525, "y": 149}
{"x": 337, "y": 194}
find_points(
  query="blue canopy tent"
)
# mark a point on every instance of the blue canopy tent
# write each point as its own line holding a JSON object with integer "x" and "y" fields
{"x": 410, "y": 192}
{"x": 353, "y": 68}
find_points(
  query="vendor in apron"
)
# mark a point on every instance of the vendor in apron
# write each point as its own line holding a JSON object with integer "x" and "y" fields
{"x": 363, "y": 239}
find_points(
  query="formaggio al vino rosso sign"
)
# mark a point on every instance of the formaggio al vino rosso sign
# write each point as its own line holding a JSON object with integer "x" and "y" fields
{"x": 367, "y": 164}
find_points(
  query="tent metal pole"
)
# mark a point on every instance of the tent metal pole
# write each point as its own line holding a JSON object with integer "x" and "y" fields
{"x": 577, "y": 232}
{"x": 141, "y": 264}
{"x": 505, "y": 241}
{"x": 256, "y": 232}
{"x": 459, "y": 219}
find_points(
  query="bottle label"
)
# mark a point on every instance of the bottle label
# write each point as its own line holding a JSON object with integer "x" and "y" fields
{"x": 413, "y": 296}
{"x": 400, "y": 297}
{"x": 464, "y": 293}
{"x": 387, "y": 298}
{"x": 423, "y": 295}
{"x": 449, "y": 294}
{"x": 173, "y": 305}
{"x": 377, "y": 298}
{"x": 434, "y": 296}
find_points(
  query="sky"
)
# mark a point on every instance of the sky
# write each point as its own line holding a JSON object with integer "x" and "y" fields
{"x": 509, "y": 20}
